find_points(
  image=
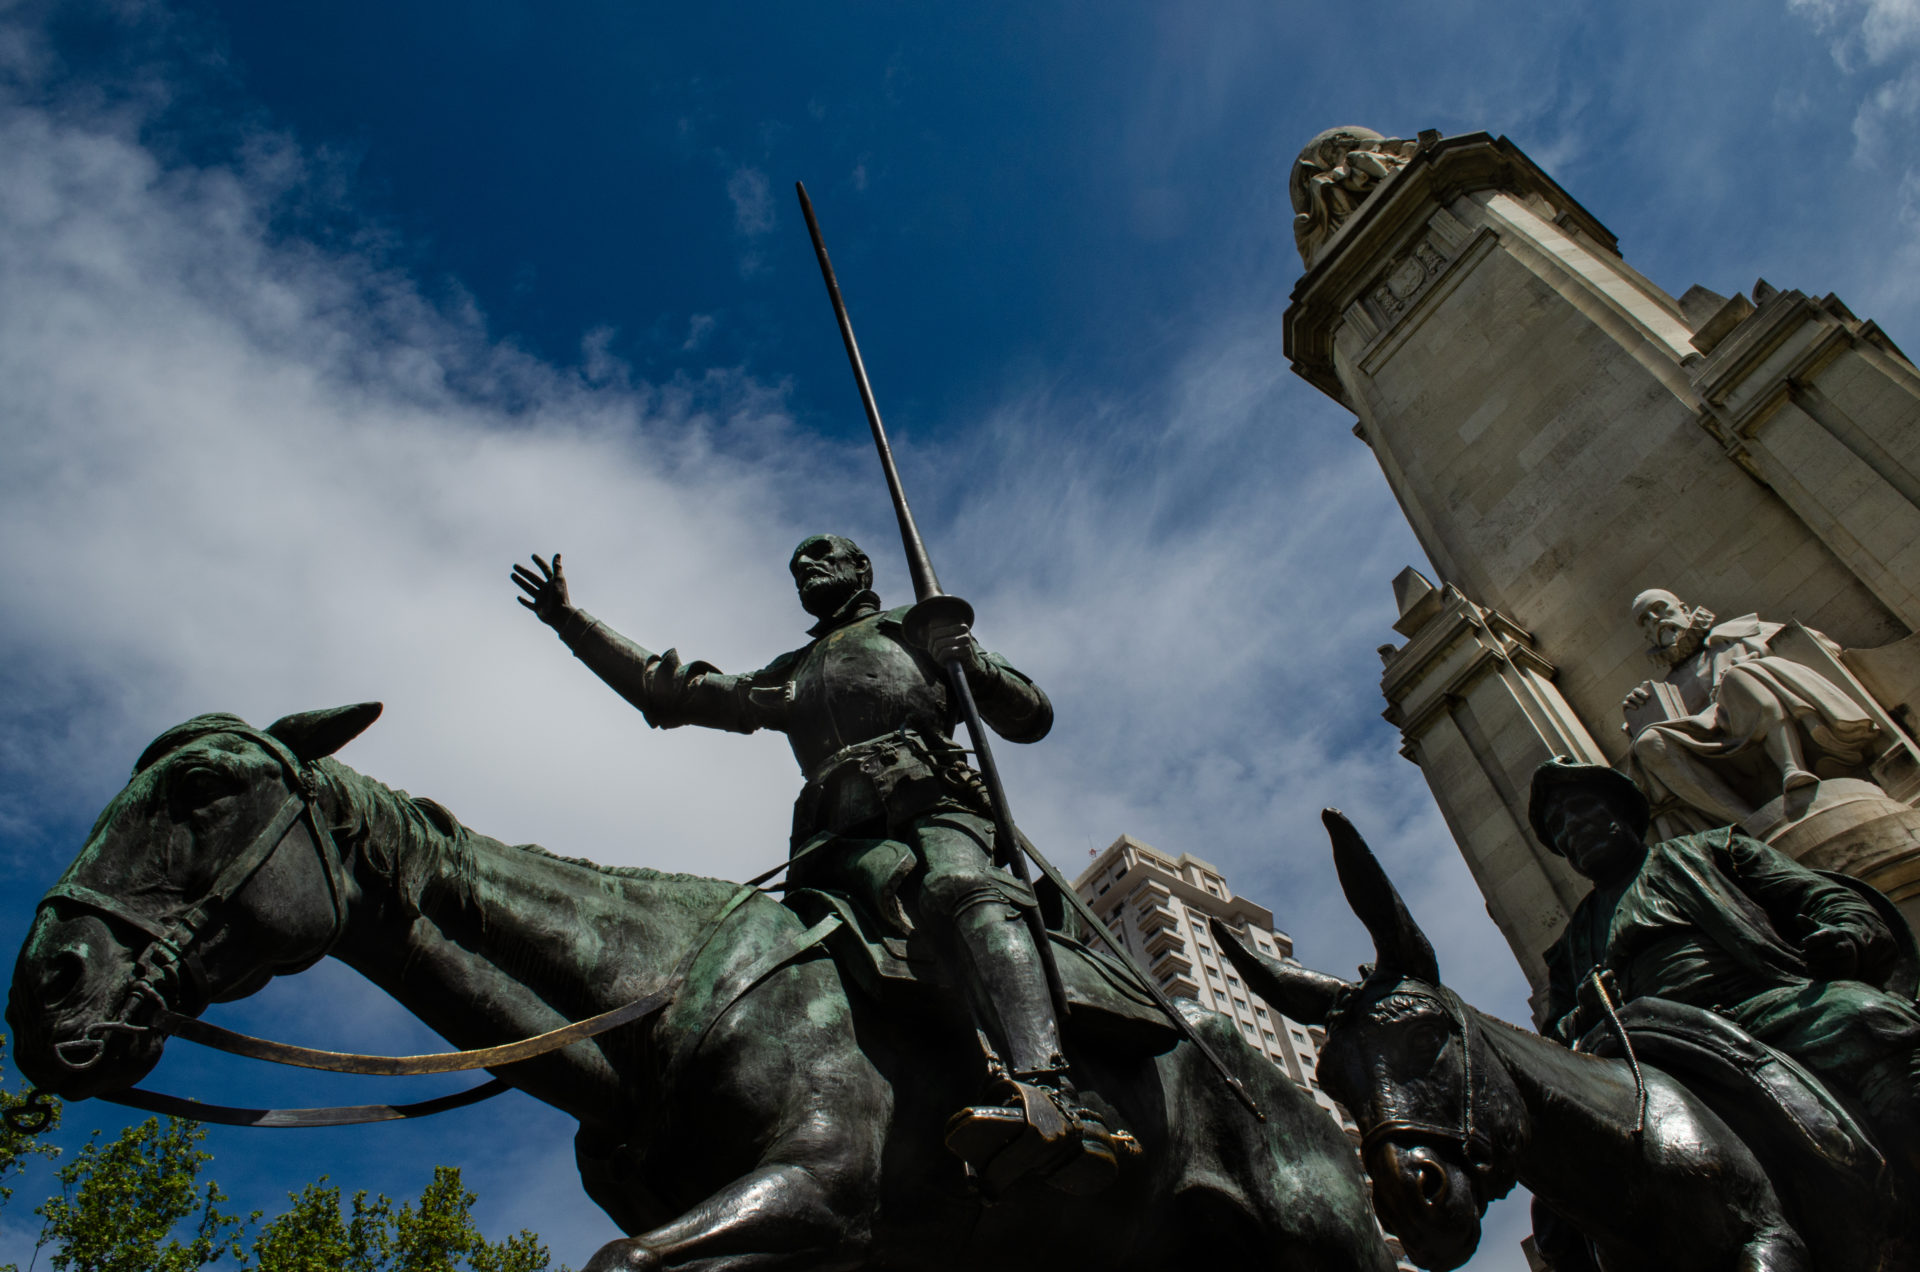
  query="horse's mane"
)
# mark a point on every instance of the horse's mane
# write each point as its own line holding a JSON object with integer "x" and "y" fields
{"x": 421, "y": 848}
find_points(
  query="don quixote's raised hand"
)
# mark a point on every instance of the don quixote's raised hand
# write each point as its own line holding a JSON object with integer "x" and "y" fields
{"x": 546, "y": 592}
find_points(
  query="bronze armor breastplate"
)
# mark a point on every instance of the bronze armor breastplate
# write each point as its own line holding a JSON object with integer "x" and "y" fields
{"x": 859, "y": 682}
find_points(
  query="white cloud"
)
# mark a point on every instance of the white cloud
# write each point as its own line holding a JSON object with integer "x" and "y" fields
{"x": 1878, "y": 30}
{"x": 1883, "y": 125}
{"x": 752, "y": 197}
{"x": 699, "y": 327}
{"x": 254, "y": 475}
{"x": 1881, "y": 35}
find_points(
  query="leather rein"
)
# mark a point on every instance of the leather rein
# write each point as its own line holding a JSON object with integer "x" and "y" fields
{"x": 170, "y": 959}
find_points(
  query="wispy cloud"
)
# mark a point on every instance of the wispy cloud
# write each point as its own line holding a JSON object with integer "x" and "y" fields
{"x": 1877, "y": 39}
{"x": 699, "y": 327}
{"x": 752, "y": 201}
{"x": 1876, "y": 44}
{"x": 263, "y": 475}
{"x": 1876, "y": 30}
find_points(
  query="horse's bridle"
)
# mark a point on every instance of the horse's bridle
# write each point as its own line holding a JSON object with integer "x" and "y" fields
{"x": 170, "y": 954}
{"x": 169, "y": 964}
{"x": 1475, "y": 1148}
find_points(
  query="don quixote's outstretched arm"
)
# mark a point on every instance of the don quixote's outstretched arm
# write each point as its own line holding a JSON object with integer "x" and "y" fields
{"x": 668, "y": 692}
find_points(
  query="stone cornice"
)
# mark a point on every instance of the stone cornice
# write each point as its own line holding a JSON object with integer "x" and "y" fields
{"x": 1413, "y": 700}
{"x": 1434, "y": 177}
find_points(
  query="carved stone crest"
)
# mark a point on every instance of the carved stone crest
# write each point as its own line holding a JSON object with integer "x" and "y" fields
{"x": 1334, "y": 175}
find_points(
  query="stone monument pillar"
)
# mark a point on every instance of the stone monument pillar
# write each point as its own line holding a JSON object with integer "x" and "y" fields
{"x": 1478, "y": 712}
{"x": 1563, "y": 435}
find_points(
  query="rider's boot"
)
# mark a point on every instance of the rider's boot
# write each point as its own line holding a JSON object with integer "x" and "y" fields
{"x": 1033, "y": 1123}
{"x": 1890, "y": 1091}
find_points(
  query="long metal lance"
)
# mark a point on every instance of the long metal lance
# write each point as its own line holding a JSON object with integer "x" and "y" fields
{"x": 935, "y": 608}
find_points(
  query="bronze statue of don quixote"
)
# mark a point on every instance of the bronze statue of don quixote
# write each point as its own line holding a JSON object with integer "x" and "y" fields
{"x": 907, "y": 1056}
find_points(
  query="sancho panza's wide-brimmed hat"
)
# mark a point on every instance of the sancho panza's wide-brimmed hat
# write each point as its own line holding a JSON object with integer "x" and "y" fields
{"x": 1563, "y": 772}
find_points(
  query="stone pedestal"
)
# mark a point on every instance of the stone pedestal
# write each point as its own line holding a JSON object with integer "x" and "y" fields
{"x": 1563, "y": 434}
{"x": 1852, "y": 827}
{"x": 1559, "y": 442}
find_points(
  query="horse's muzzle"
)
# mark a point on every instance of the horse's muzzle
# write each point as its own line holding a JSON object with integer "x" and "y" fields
{"x": 73, "y": 1012}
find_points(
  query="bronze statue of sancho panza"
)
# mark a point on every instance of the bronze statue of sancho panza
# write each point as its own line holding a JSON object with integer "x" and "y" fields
{"x": 891, "y": 814}
{"x": 1721, "y": 921}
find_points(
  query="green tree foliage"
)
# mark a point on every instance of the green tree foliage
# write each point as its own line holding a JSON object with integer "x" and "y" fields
{"x": 435, "y": 1234}
{"x": 125, "y": 1204}
{"x": 313, "y": 1236}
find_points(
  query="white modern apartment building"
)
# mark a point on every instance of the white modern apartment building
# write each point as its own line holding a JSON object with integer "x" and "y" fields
{"x": 1159, "y": 905}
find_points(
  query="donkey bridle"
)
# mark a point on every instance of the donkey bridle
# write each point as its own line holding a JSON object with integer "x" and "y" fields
{"x": 1473, "y": 1144}
{"x": 170, "y": 953}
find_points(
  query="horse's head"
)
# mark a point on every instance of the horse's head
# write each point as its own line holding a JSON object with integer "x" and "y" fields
{"x": 1438, "y": 1115}
{"x": 195, "y": 886}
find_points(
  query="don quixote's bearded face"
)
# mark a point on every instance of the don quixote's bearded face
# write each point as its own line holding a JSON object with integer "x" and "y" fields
{"x": 829, "y": 571}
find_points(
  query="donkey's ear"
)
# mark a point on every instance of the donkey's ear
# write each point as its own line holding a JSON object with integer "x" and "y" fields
{"x": 1295, "y": 992}
{"x": 312, "y": 734}
{"x": 1401, "y": 945}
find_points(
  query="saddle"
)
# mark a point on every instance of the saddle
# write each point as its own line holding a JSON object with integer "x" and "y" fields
{"x": 1813, "y": 1146}
{"x": 1108, "y": 1007}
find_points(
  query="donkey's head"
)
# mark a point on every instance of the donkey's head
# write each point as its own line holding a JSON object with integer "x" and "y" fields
{"x": 209, "y": 873}
{"x": 1438, "y": 1116}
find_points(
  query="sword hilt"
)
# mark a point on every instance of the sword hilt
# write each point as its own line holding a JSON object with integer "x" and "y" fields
{"x": 938, "y": 610}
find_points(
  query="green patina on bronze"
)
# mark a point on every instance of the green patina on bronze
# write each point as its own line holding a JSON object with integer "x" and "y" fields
{"x": 1669, "y": 1140}
{"x": 1816, "y": 967}
{"x": 797, "y": 1123}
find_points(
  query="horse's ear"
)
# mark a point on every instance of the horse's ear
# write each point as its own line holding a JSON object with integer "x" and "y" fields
{"x": 1295, "y": 992}
{"x": 312, "y": 734}
{"x": 1401, "y": 945}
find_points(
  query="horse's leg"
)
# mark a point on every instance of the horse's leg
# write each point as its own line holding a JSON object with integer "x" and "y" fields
{"x": 777, "y": 1217}
{"x": 783, "y": 1078}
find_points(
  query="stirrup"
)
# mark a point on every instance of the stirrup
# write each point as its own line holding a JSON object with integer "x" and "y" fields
{"x": 1037, "y": 1131}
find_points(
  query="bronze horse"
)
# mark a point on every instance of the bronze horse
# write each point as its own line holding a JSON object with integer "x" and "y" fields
{"x": 768, "y": 1117}
{"x": 1455, "y": 1106}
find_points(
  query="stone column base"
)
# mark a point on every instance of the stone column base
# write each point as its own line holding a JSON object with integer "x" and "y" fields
{"x": 1851, "y": 826}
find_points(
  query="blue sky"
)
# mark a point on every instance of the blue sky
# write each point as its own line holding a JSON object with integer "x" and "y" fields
{"x": 314, "y": 318}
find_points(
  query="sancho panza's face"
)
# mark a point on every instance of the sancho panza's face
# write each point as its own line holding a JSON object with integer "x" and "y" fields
{"x": 1586, "y": 829}
{"x": 829, "y": 571}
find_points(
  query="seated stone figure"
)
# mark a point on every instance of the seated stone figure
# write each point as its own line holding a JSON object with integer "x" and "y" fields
{"x": 1751, "y": 725}
{"x": 1722, "y": 922}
